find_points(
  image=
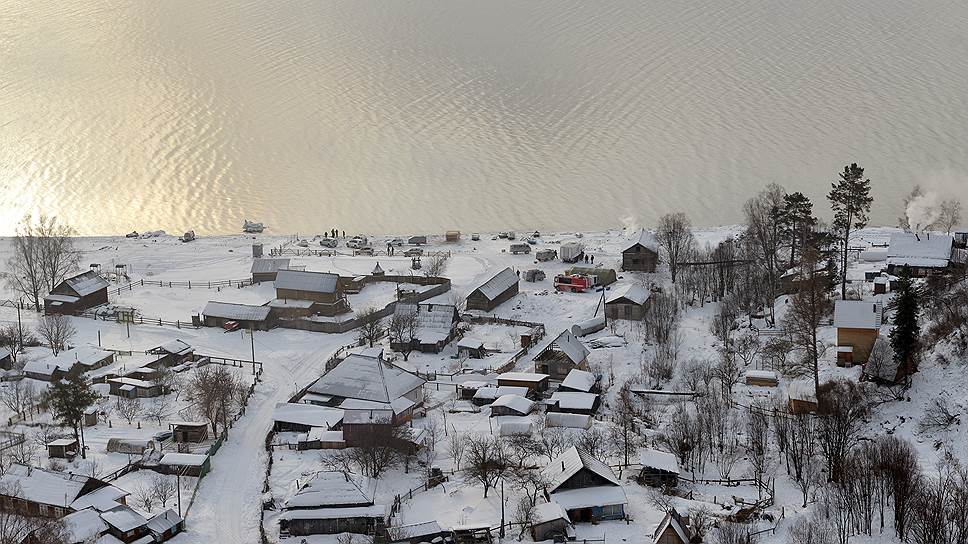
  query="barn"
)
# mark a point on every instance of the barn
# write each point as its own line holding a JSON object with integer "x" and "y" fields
{"x": 217, "y": 314}
{"x": 267, "y": 269}
{"x": 495, "y": 291}
{"x": 659, "y": 469}
{"x": 320, "y": 288}
{"x": 642, "y": 253}
{"x": 564, "y": 354}
{"x": 77, "y": 294}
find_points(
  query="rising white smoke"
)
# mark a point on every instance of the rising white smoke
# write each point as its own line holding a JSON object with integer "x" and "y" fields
{"x": 923, "y": 211}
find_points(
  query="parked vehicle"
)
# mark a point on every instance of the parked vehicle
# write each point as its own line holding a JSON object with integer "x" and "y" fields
{"x": 511, "y": 235}
{"x": 413, "y": 252}
{"x": 132, "y": 234}
{"x": 534, "y": 274}
{"x": 396, "y": 242}
{"x": 475, "y": 236}
{"x": 572, "y": 252}
{"x": 188, "y": 236}
{"x": 574, "y": 283}
{"x": 520, "y": 248}
{"x": 302, "y": 243}
{"x": 328, "y": 242}
{"x": 161, "y": 436}
{"x": 532, "y": 241}
{"x": 364, "y": 251}
{"x": 545, "y": 255}
{"x": 356, "y": 242}
{"x": 502, "y": 235}
{"x": 230, "y": 326}
{"x": 536, "y": 234}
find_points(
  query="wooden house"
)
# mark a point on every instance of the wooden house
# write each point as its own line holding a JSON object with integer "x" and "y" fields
{"x": 562, "y": 355}
{"x": 573, "y": 402}
{"x": 471, "y": 348}
{"x": 858, "y": 324}
{"x": 77, "y": 294}
{"x": 659, "y": 469}
{"x": 79, "y": 359}
{"x": 922, "y": 254}
{"x": 62, "y": 448}
{"x": 322, "y": 289}
{"x": 629, "y": 301}
{"x": 333, "y": 503}
{"x": 585, "y": 487}
{"x": 642, "y": 253}
{"x": 217, "y": 314}
{"x": 550, "y": 523}
{"x": 436, "y": 325}
{"x": 172, "y": 353}
{"x": 163, "y": 526}
{"x": 125, "y": 524}
{"x": 267, "y": 269}
{"x": 189, "y": 431}
{"x": 673, "y": 529}
{"x": 495, "y": 291}
{"x": 302, "y": 417}
{"x": 580, "y": 381}
{"x": 37, "y": 492}
{"x": 185, "y": 464}
{"x": 511, "y": 405}
{"x": 536, "y": 383}
{"x": 802, "y": 397}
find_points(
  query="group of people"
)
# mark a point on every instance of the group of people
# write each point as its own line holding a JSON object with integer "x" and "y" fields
{"x": 334, "y": 233}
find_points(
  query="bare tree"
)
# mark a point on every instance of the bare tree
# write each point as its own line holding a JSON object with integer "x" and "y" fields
{"x": 371, "y": 326}
{"x": 728, "y": 372}
{"x": 25, "y": 267}
{"x": 144, "y": 497}
{"x": 437, "y": 264}
{"x": 950, "y": 214}
{"x": 15, "y": 528}
{"x": 19, "y": 396}
{"x": 158, "y": 409}
{"x": 212, "y": 389}
{"x": 674, "y": 234}
{"x": 457, "y": 447}
{"x": 163, "y": 488}
{"x": 766, "y": 234}
{"x": 10, "y": 339}
{"x": 129, "y": 408}
{"x": 842, "y": 409}
{"x": 524, "y": 515}
{"x": 404, "y": 328}
{"x": 486, "y": 461}
{"x": 938, "y": 416}
{"x": 811, "y": 530}
{"x": 56, "y": 330}
{"x": 378, "y": 450}
{"x": 810, "y": 308}
{"x": 731, "y": 533}
{"x": 596, "y": 443}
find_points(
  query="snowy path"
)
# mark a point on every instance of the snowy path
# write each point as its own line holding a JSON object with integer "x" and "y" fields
{"x": 229, "y": 500}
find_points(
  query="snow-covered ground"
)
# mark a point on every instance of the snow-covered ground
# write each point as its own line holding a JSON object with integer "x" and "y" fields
{"x": 228, "y": 502}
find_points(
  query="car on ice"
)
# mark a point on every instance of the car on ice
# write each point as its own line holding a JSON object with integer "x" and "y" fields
{"x": 328, "y": 242}
{"x": 413, "y": 252}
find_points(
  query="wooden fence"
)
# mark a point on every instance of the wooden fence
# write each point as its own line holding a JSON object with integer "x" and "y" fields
{"x": 185, "y": 284}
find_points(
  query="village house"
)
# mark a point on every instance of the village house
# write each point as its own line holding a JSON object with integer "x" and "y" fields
{"x": 858, "y": 324}
{"x": 77, "y": 294}
{"x": 551, "y": 522}
{"x": 585, "y": 487}
{"x": 659, "y": 469}
{"x": 34, "y": 491}
{"x": 494, "y": 291}
{"x": 471, "y": 348}
{"x": 628, "y": 302}
{"x": 511, "y": 405}
{"x": 217, "y": 314}
{"x": 536, "y": 383}
{"x": 172, "y": 353}
{"x": 134, "y": 388}
{"x": 573, "y": 402}
{"x": 185, "y": 464}
{"x": 436, "y": 325}
{"x": 55, "y": 367}
{"x": 302, "y": 417}
{"x": 580, "y": 381}
{"x": 125, "y": 524}
{"x": 322, "y": 289}
{"x": 486, "y": 395}
{"x": 333, "y": 503}
{"x": 642, "y": 254}
{"x": 564, "y": 354}
{"x": 923, "y": 254}
{"x": 673, "y": 529}
{"x": 267, "y": 269}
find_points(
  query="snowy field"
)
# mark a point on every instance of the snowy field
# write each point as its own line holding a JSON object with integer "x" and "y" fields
{"x": 229, "y": 499}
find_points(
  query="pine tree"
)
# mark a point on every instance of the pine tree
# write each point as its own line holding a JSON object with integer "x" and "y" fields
{"x": 798, "y": 220}
{"x": 905, "y": 337}
{"x": 851, "y": 201}
{"x": 69, "y": 399}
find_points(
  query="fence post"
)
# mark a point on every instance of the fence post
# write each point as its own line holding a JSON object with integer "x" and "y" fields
{"x": 189, "y": 284}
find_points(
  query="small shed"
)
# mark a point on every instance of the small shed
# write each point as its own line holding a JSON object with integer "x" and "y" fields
{"x": 858, "y": 324}
{"x": 467, "y": 390}
{"x": 574, "y": 402}
{"x": 452, "y": 236}
{"x": 471, "y": 534}
{"x": 534, "y": 381}
{"x": 516, "y": 426}
{"x": 580, "y": 381}
{"x": 62, "y": 448}
{"x": 673, "y": 529}
{"x": 90, "y": 417}
{"x": 488, "y": 394}
{"x": 165, "y": 525}
{"x": 495, "y": 291}
{"x": 418, "y": 533}
{"x": 550, "y": 523}
{"x": 185, "y": 464}
{"x": 131, "y": 446}
{"x": 511, "y": 405}
{"x": 630, "y": 301}
{"x": 659, "y": 469}
{"x": 761, "y": 378}
{"x": 545, "y": 255}
{"x": 189, "y": 431}
{"x": 471, "y": 347}
{"x": 217, "y": 314}
{"x": 802, "y": 397}
{"x": 6, "y": 358}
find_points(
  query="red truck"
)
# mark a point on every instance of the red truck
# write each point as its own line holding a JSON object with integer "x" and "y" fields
{"x": 575, "y": 283}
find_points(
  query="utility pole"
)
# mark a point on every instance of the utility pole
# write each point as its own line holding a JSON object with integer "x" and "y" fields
{"x": 252, "y": 342}
{"x": 502, "y": 507}
{"x": 178, "y": 476}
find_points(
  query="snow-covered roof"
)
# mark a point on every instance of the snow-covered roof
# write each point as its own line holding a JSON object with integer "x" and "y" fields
{"x": 268, "y": 266}
{"x": 367, "y": 416}
{"x": 533, "y": 377}
{"x": 569, "y": 421}
{"x": 921, "y": 250}
{"x": 467, "y": 343}
{"x": 570, "y": 462}
{"x": 65, "y": 360}
{"x": 4, "y": 352}
{"x": 54, "y": 297}
{"x": 549, "y": 511}
{"x": 123, "y": 518}
{"x": 570, "y": 345}
{"x": 579, "y": 380}
{"x": 644, "y": 238}
{"x": 857, "y": 314}
{"x": 333, "y": 489}
{"x": 501, "y": 282}
{"x": 62, "y": 442}
{"x": 240, "y": 312}
{"x": 83, "y": 525}
{"x": 570, "y": 400}
{"x": 377, "y": 269}
{"x": 659, "y": 460}
{"x": 175, "y": 347}
{"x": 632, "y": 292}
{"x": 761, "y": 374}
{"x": 434, "y": 321}
{"x": 307, "y": 414}
{"x": 517, "y": 403}
{"x": 101, "y": 499}
{"x": 366, "y": 378}
{"x": 164, "y": 521}
{"x": 85, "y": 283}
{"x": 588, "y": 497}
{"x": 489, "y": 392}
{"x": 133, "y": 382}
{"x": 300, "y": 280}
{"x": 322, "y": 435}
{"x": 374, "y": 511}
{"x": 416, "y": 530}
{"x": 670, "y": 521}
{"x": 184, "y": 459}
{"x": 42, "y": 486}
{"x": 802, "y": 390}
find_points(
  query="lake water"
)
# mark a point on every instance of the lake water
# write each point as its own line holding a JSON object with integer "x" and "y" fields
{"x": 410, "y": 117}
